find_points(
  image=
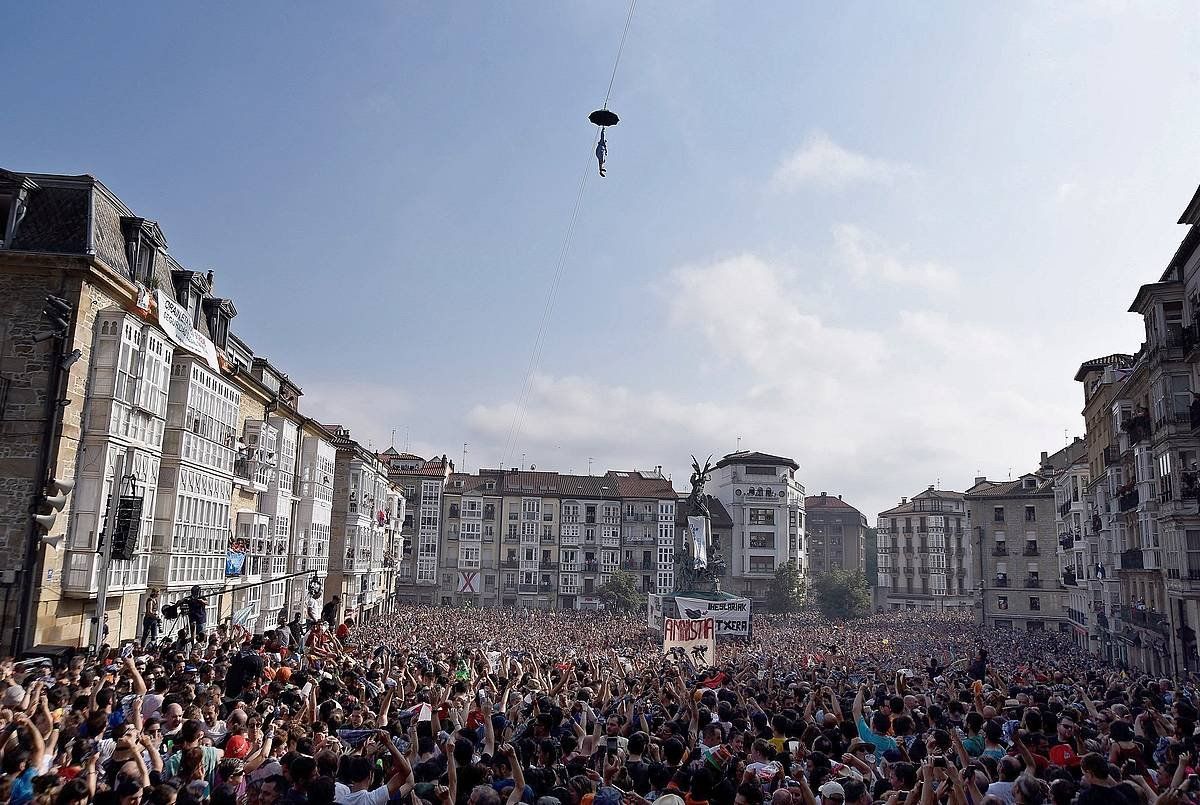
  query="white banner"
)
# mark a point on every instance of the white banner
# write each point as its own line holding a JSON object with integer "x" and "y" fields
{"x": 177, "y": 324}
{"x": 695, "y": 640}
{"x": 468, "y": 581}
{"x": 246, "y": 616}
{"x": 654, "y": 612}
{"x": 732, "y": 616}
{"x": 698, "y": 528}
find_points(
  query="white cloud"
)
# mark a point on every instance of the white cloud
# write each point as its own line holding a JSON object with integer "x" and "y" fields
{"x": 873, "y": 411}
{"x": 869, "y": 263}
{"x": 821, "y": 162}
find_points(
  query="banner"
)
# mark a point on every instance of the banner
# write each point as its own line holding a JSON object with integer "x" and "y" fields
{"x": 698, "y": 528}
{"x": 694, "y": 640}
{"x": 468, "y": 581}
{"x": 173, "y": 318}
{"x": 732, "y": 616}
{"x": 246, "y": 616}
{"x": 235, "y": 563}
{"x": 654, "y": 612}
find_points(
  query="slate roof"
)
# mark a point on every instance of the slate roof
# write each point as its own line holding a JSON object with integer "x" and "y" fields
{"x": 718, "y": 515}
{"x": 748, "y": 457}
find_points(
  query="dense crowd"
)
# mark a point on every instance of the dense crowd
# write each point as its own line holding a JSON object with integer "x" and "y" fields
{"x": 440, "y": 706}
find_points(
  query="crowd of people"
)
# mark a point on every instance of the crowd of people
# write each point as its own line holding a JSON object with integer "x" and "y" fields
{"x": 440, "y": 706}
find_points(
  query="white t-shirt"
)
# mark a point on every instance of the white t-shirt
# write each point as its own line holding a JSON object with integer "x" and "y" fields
{"x": 1002, "y": 790}
{"x": 344, "y": 796}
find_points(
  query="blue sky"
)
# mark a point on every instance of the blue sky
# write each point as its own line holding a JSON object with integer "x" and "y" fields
{"x": 879, "y": 238}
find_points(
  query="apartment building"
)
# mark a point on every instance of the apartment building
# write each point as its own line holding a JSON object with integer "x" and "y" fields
{"x": 1103, "y": 531}
{"x": 924, "y": 553}
{"x": 837, "y": 535}
{"x": 764, "y": 500}
{"x": 1016, "y": 541}
{"x": 471, "y": 508}
{"x": 1078, "y": 553}
{"x": 359, "y": 526}
{"x": 423, "y": 483}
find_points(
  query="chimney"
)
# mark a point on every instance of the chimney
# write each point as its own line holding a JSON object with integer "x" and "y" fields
{"x": 903, "y": 501}
{"x": 1045, "y": 456}
{"x": 822, "y": 494}
{"x": 980, "y": 479}
{"x": 839, "y": 497}
{"x": 209, "y": 277}
{"x": 931, "y": 487}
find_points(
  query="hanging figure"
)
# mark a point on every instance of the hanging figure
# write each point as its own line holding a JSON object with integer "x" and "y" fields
{"x": 603, "y": 118}
{"x": 601, "y": 151}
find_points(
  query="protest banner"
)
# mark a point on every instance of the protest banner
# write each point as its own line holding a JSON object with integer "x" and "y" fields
{"x": 654, "y": 612}
{"x": 692, "y": 639}
{"x": 732, "y": 616}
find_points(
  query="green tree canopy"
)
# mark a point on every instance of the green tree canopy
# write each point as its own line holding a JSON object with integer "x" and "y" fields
{"x": 620, "y": 593}
{"x": 841, "y": 594}
{"x": 787, "y": 589}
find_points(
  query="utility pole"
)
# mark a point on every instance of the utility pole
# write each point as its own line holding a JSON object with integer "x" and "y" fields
{"x": 110, "y": 530}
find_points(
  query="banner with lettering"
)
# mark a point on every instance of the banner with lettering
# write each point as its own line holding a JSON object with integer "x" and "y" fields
{"x": 732, "y": 616}
{"x": 173, "y": 318}
{"x": 691, "y": 640}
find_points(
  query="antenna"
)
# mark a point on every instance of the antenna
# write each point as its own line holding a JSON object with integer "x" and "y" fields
{"x": 522, "y": 462}
{"x": 589, "y": 465}
{"x": 738, "y": 449}
{"x": 1010, "y": 473}
{"x": 464, "y": 461}
{"x": 393, "y": 437}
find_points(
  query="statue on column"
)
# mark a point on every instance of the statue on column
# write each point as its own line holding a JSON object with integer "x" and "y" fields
{"x": 699, "y": 566}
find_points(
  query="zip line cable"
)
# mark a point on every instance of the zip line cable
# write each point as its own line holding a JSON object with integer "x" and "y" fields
{"x": 512, "y": 436}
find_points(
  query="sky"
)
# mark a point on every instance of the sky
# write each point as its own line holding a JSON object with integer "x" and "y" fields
{"x": 878, "y": 238}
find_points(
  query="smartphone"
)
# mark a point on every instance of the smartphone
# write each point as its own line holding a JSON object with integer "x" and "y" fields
{"x": 612, "y": 744}
{"x": 793, "y": 747}
{"x": 939, "y": 762}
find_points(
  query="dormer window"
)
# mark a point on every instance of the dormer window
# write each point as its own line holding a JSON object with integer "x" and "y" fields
{"x": 143, "y": 239}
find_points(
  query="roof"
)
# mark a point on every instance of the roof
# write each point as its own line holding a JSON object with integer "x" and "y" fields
{"x": 1191, "y": 213}
{"x": 434, "y": 468}
{"x": 641, "y": 485}
{"x": 748, "y": 457}
{"x": 824, "y": 501}
{"x": 718, "y": 516}
{"x": 1015, "y": 489}
{"x": 470, "y": 484}
{"x": 910, "y": 507}
{"x": 1117, "y": 360}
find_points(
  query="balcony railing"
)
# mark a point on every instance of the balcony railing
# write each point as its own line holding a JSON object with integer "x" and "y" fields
{"x": 1132, "y": 559}
{"x": 591, "y": 567}
{"x": 1030, "y": 549}
{"x": 1112, "y": 455}
{"x": 508, "y": 564}
{"x": 1128, "y": 501}
{"x": 1138, "y": 428}
{"x": 1065, "y": 508}
{"x": 1146, "y": 619}
{"x": 1000, "y": 550}
{"x": 1070, "y": 580}
{"x": 637, "y": 565}
{"x": 1033, "y": 583}
{"x": 1001, "y": 581}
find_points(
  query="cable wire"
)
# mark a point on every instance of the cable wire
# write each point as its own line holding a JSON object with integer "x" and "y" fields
{"x": 513, "y": 434}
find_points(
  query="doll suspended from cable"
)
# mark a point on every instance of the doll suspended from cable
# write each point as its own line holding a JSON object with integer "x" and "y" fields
{"x": 603, "y": 118}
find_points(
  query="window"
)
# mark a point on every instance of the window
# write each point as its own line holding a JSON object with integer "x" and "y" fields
{"x": 1030, "y": 514}
{"x": 1035, "y": 603}
{"x": 762, "y": 564}
{"x": 1192, "y": 537}
{"x": 1035, "y": 626}
{"x": 760, "y": 471}
{"x": 998, "y": 514}
{"x": 762, "y": 539}
{"x": 762, "y": 517}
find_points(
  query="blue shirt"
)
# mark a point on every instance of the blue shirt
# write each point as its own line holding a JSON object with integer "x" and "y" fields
{"x": 882, "y": 743}
{"x": 22, "y": 787}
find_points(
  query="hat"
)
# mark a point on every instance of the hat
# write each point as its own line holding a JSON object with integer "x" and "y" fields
{"x": 14, "y": 696}
{"x": 1011, "y": 704}
{"x": 1063, "y": 755}
{"x": 668, "y": 799}
{"x": 237, "y": 746}
{"x": 832, "y": 789}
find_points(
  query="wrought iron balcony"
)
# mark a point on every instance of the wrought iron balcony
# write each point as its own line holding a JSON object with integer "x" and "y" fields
{"x": 1132, "y": 559}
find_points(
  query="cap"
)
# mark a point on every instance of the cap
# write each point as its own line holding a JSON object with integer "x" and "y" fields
{"x": 237, "y": 746}
{"x": 669, "y": 799}
{"x": 1063, "y": 755}
{"x": 832, "y": 789}
{"x": 1011, "y": 704}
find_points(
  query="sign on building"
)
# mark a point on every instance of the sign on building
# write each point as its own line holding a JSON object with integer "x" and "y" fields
{"x": 468, "y": 581}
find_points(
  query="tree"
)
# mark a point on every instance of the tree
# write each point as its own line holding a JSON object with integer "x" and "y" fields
{"x": 620, "y": 593}
{"x": 787, "y": 589}
{"x": 841, "y": 594}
